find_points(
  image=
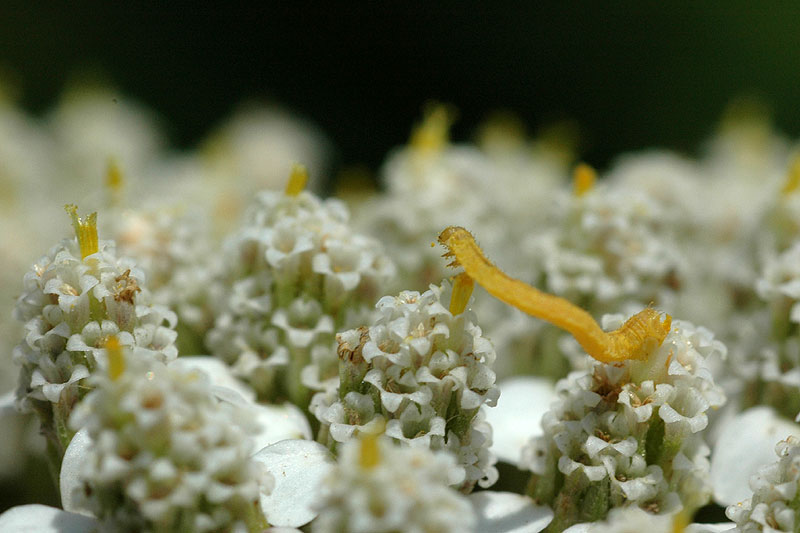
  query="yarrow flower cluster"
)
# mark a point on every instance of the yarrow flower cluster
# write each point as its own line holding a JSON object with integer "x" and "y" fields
{"x": 140, "y": 442}
{"x": 773, "y": 377}
{"x": 173, "y": 248}
{"x": 75, "y": 298}
{"x": 773, "y": 506}
{"x": 424, "y": 367}
{"x": 629, "y": 433}
{"x": 608, "y": 249}
{"x": 166, "y": 455}
{"x": 379, "y": 487}
{"x": 295, "y": 274}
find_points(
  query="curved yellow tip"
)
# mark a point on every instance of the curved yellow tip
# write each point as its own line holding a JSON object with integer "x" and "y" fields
{"x": 85, "y": 230}
{"x": 583, "y": 179}
{"x": 636, "y": 339}
{"x": 297, "y": 180}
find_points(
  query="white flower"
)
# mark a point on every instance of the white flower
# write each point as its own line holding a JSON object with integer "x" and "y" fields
{"x": 165, "y": 454}
{"x": 295, "y": 273}
{"x": 380, "y": 487}
{"x": 426, "y": 372}
{"x": 774, "y": 491}
{"x": 74, "y": 299}
{"x": 628, "y": 433}
{"x": 172, "y": 246}
{"x": 745, "y": 443}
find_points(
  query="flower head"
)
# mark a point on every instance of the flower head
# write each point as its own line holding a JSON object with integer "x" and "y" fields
{"x": 378, "y": 487}
{"x": 166, "y": 454}
{"x": 423, "y": 369}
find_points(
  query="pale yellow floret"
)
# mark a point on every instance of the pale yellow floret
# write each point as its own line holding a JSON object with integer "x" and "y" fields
{"x": 297, "y": 180}
{"x": 433, "y": 133}
{"x": 116, "y": 359}
{"x": 85, "y": 230}
{"x": 792, "y": 182}
{"x": 115, "y": 180}
{"x": 636, "y": 339}
{"x": 462, "y": 290}
{"x": 583, "y": 179}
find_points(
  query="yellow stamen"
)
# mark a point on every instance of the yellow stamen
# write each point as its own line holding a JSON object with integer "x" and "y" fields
{"x": 679, "y": 522}
{"x": 85, "y": 230}
{"x": 501, "y": 129}
{"x": 297, "y": 180}
{"x": 370, "y": 455}
{"x": 636, "y": 339}
{"x": 434, "y": 131}
{"x": 116, "y": 359}
{"x": 583, "y": 179}
{"x": 115, "y": 180}
{"x": 370, "y": 452}
{"x": 462, "y": 290}
{"x": 792, "y": 182}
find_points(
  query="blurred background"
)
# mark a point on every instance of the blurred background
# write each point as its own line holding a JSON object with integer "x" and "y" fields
{"x": 630, "y": 76}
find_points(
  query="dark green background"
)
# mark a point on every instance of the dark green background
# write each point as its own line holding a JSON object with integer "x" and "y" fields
{"x": 633, "y": 74}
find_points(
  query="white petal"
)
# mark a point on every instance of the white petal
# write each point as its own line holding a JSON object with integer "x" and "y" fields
{"x": 580, "y": 528}
{"x": 506, "y": 512}
{"x": 746, "y": 442}
{"x": 279, "y": 422}
{"x": 71, "y": 466}
{"x": 218, "y": 372}
{"x": 518, "y": 415}
{"x": 710, "y": 528}
{"x": 37, "y": 518}
{"x": 299, "y": 467}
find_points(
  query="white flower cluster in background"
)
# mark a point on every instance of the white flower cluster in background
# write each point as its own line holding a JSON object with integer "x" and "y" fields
{"x": 769, "y": 374}
{"x": 424, "y": 371}
{"x": 609, "y": 247}
{"x": 173, "y": 247}
{"x": 379, "y": 487}
{"x": 629, "y": 433}
{"x": 294, "y": 275}
{"x": 166, "y": 455}
{"x": 773, "y": 506}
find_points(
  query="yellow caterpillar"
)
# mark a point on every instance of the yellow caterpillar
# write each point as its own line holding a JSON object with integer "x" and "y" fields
{"x": 636, "y": 339}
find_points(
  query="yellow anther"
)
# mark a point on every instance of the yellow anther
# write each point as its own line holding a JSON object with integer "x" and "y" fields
{"x": 462, "y": 290}
{"x": 85, "y": 230}
{"x": 434, "y": 132}
{"x": 116, "y": 359}
{"x": 792, "y": 182}
{"x": 679, "y": 522}
{"x": 583, "y": 179}
{"x": 636, "y": 339}
{"x": 115, "y": 180}
{"x": 297, "y": 180}
{"x": 370, "y": 451}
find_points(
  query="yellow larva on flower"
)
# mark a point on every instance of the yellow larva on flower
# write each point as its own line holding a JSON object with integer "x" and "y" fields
{"x": 636, "y": 339}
